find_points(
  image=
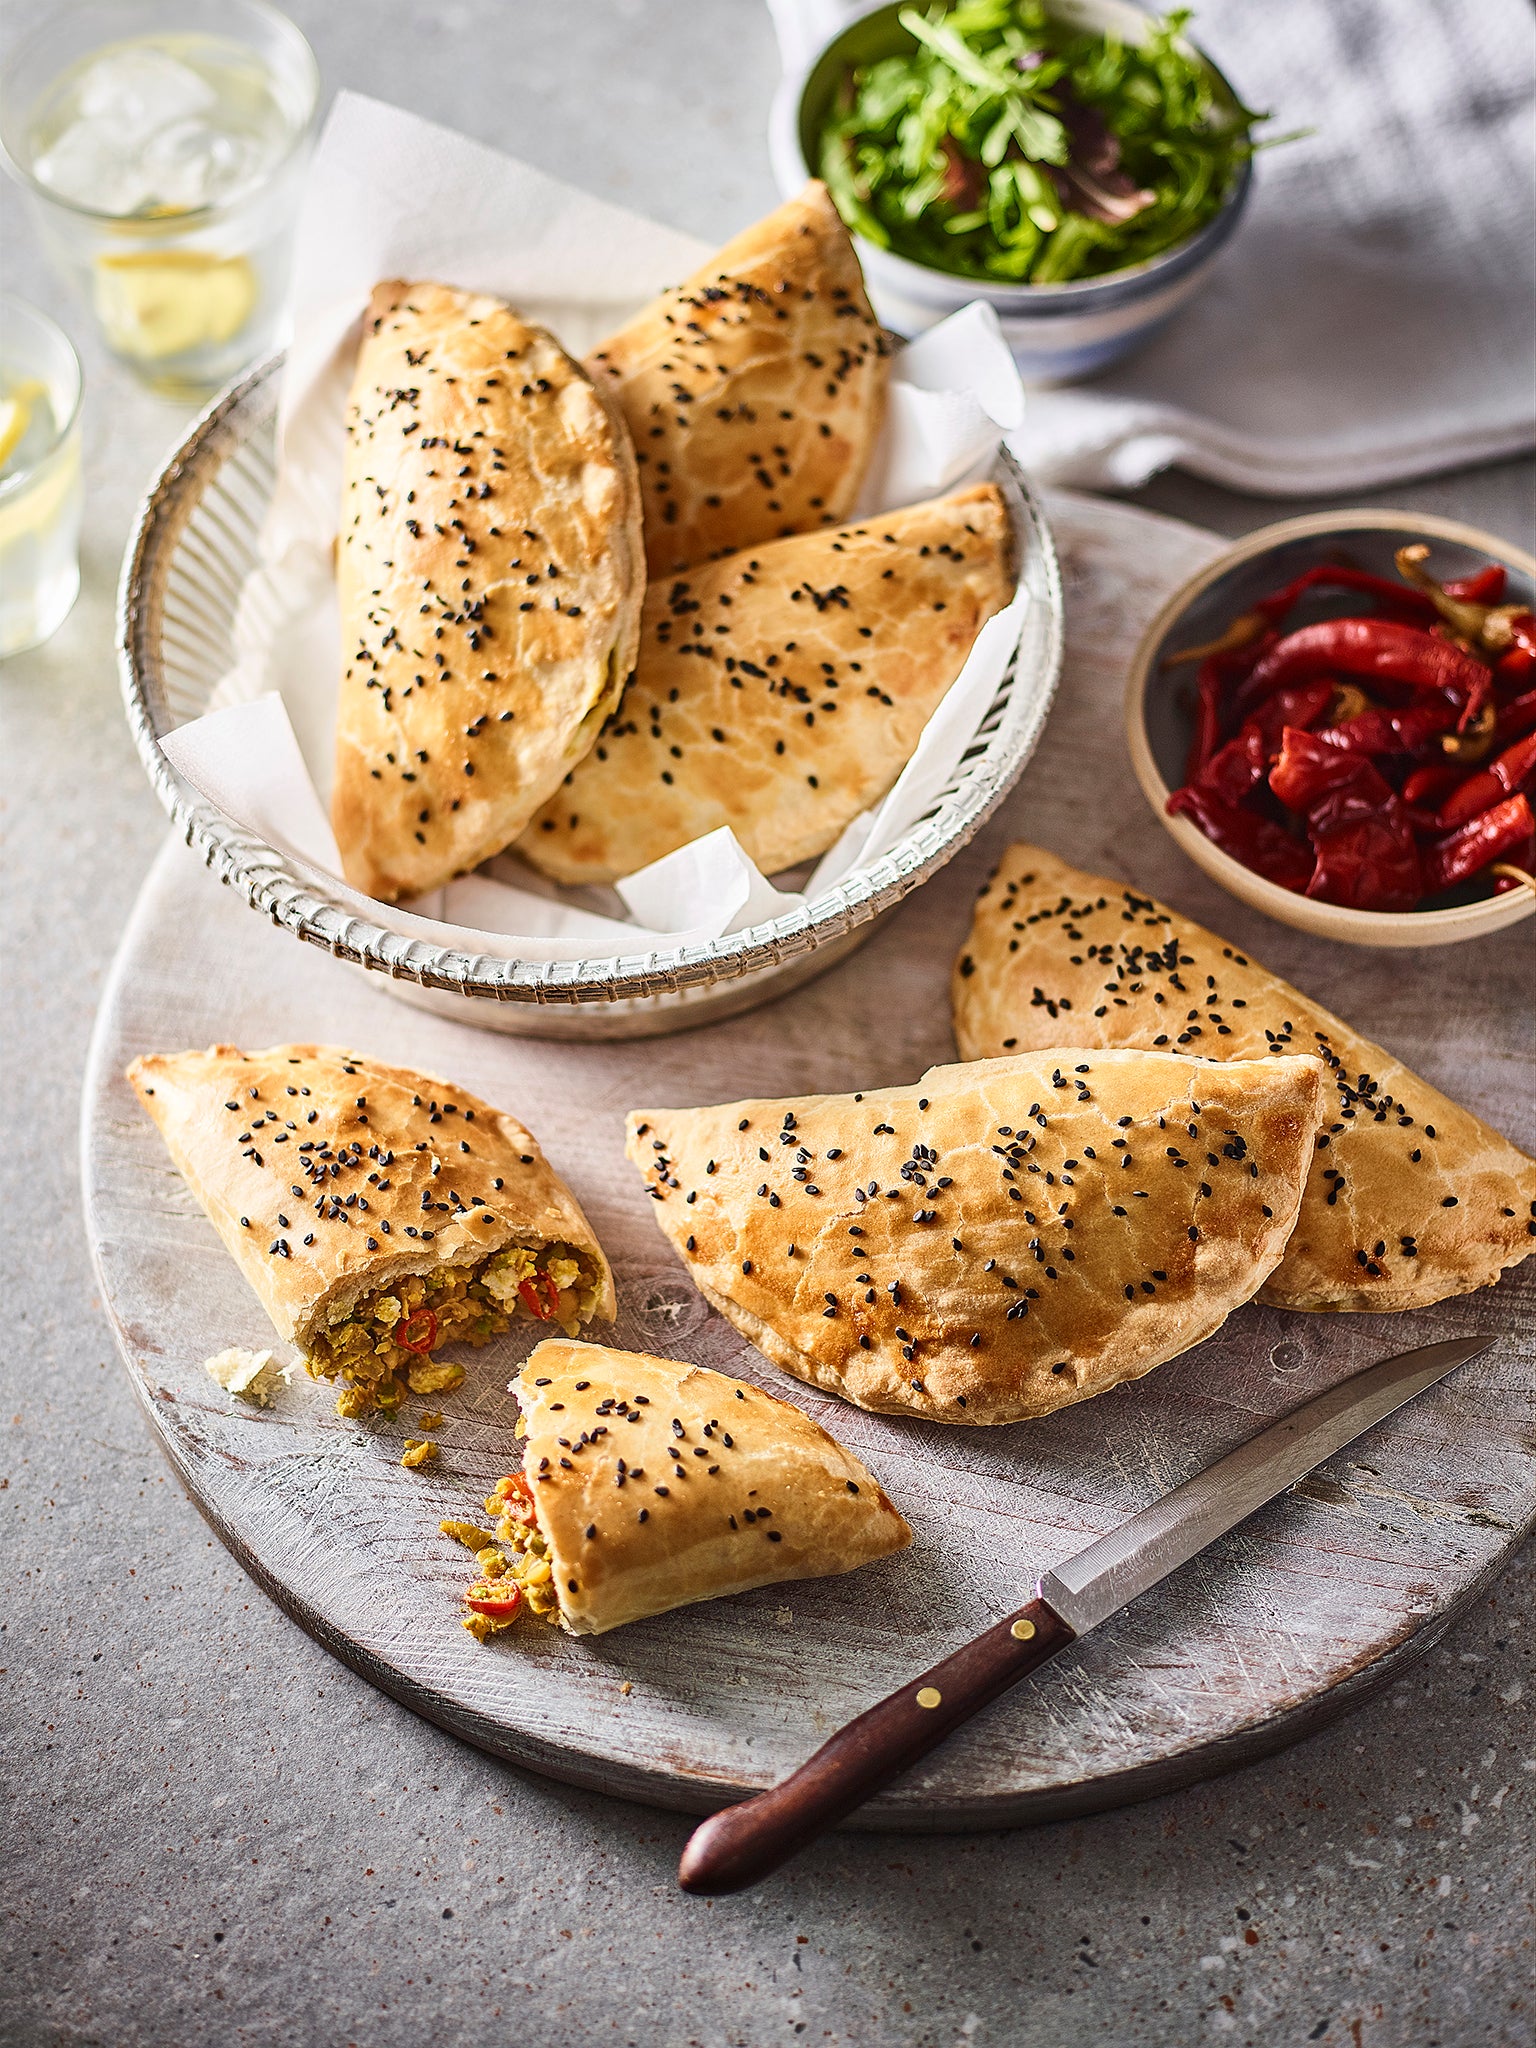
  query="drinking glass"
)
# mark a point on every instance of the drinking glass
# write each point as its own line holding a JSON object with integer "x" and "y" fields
{"x": 163, "y": 144}
{"x": 39, "y": 476}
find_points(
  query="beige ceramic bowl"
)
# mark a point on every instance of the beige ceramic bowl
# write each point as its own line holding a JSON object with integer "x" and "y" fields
{"x": 1158, "y": 721}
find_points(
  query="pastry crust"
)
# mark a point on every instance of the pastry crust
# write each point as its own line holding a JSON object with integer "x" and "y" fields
{"x": 657, "y": 1483}
{"x": 329, "y": 1176}
{"x": 1411, "y": 1199}
{"x": 490, "y": 573}
{"x": 781, "y": 691}
{"x": 998, "y": 1240}
{"x": 754, "y": 391}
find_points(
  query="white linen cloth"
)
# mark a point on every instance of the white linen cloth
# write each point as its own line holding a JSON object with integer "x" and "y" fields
{"x": 1373, "y": 316}
{"x": 391, "y": 195}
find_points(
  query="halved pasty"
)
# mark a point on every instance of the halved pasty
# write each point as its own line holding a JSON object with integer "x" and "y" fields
{"x": 648, "y": 1484}
{"x": 490, "y": 573}
{"x": 781, "y": 691}
{"x": 377, "y": 1213}
{"x": 754, "y": 391}
{"x": 999, "y": 1240}
{"x": 1411, "y": 1199}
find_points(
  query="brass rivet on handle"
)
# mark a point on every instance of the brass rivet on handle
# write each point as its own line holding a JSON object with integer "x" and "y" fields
{"x": 930, "y": 1696}
{"x": 1023, "y": 1628}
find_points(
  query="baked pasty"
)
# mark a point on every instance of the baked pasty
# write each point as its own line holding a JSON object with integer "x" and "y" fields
{"x": 1411, "y": 1199}
{"x": 490, "y": 573}
{"x": 648, "y": 1484}
{"x": 754, "y": 391}
{"x": 998, "y": 1240}
{"x": 378, "y": 1213}
{"x": 781, "y": 691}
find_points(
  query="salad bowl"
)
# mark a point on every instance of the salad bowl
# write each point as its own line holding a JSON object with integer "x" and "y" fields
{"x": 1057, "y": 332}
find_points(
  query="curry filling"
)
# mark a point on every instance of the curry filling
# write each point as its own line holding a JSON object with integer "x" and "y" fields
{"x": 507, "y": 1584}
{"x": 382, "y": 1351}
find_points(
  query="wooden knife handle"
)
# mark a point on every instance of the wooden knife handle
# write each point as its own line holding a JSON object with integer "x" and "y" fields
{"x": 741, "y": 1844}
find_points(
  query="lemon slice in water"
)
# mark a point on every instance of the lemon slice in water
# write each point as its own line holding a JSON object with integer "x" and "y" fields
{"x": 16, "y": 415}
{"x": 155, "y": 303}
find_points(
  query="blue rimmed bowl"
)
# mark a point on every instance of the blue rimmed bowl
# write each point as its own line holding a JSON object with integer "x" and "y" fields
{"x": 1056, "y": 331}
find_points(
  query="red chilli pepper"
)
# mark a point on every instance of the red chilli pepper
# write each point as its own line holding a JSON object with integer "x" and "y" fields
{"x": 1367, "y": 858}
{"x": 1413, "y": 604}
{"x": 530, "y": 1296}
{"x": 1521, "y": 856}
{"x": 1431, "y": 783}
{"x": 1361, "y": 836}
{"x": 1311, "y": 766}
{"x": 1217, "y": 672}
{"x": 1209, "y": 684}
{"x": 1483, "y": 586}
{"x": 499, "y": 1606}
{"x": 1517, "y": 664}
{"x": 517, "y": 1497}
{"x": 1258, "y": 843}
{"x": 1393, "y": 732}
{"x": 421, "y": 1345}
{"x": 1301, "y": 708}
{"x": 1493, "y": 836}
{"x": 1482, "y": 790}
{"x": 1516, "y": 717}
{"x": 1380, "y": 650}
{"x": 1238, "y": 768}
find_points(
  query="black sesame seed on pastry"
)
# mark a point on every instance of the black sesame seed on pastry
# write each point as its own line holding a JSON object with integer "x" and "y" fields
{"x": 998, "y": 1240}
{"x": 754, "y": 391}
{"x": 1411, "y": 1199}
{"x": 490, "y": 573}
{"x": 781, "y": 691}
{"x": 377, "y": 1213}
{"x": 648, "y": 1484}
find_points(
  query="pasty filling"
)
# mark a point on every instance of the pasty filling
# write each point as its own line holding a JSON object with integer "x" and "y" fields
{"x": 508, "y": 1584}
{"x": 381, "y": 1351}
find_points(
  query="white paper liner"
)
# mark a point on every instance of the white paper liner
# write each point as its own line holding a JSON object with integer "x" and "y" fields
{"x": 390, "y": 195}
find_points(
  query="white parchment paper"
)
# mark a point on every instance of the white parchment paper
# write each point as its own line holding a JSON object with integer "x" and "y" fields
{"x": 391, "y": 195}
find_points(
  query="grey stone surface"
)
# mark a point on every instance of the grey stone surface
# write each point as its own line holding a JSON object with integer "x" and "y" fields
{"x": 212, "y": 1833}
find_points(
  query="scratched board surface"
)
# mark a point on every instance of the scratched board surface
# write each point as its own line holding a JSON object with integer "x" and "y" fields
{"x": 1321, "y": 1597}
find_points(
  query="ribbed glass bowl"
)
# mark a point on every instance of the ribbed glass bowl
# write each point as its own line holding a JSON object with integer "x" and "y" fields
{"x": 194, "y": 543}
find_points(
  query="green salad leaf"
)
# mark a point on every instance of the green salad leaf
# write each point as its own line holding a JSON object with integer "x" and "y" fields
{"x": 1008, "y": 145}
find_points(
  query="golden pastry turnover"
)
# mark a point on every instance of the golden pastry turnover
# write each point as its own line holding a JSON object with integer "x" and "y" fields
{"x": 999, "y": 1239}
{"x": 781, "y": 691}
{"x": 755, "y": 390}
{"x": 1411, "y": 1199}
{"x": 490, "y": 574}
{"x": 648, "y": 1484}
{"x": 378, "y": 1213}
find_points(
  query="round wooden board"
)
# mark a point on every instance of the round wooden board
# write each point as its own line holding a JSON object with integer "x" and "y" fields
{"x": 1314, "y": 1603}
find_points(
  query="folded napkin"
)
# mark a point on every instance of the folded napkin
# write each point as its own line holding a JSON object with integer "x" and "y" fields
{"x": 1371, "y": 319}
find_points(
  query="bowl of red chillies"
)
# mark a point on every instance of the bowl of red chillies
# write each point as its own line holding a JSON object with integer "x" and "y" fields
{"x": 1336, "y": 719}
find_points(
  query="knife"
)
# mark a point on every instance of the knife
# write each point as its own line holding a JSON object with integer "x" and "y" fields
{"x": 742, "y": 1844}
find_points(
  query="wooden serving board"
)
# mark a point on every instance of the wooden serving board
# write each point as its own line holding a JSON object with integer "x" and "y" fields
{"x": 1313, "y": 1604}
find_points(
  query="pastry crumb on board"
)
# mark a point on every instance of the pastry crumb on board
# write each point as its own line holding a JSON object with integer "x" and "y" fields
{"x": 253, "y": 1375}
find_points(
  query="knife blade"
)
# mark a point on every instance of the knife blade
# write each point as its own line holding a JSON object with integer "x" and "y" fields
{"x": 742, "y": 1844}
